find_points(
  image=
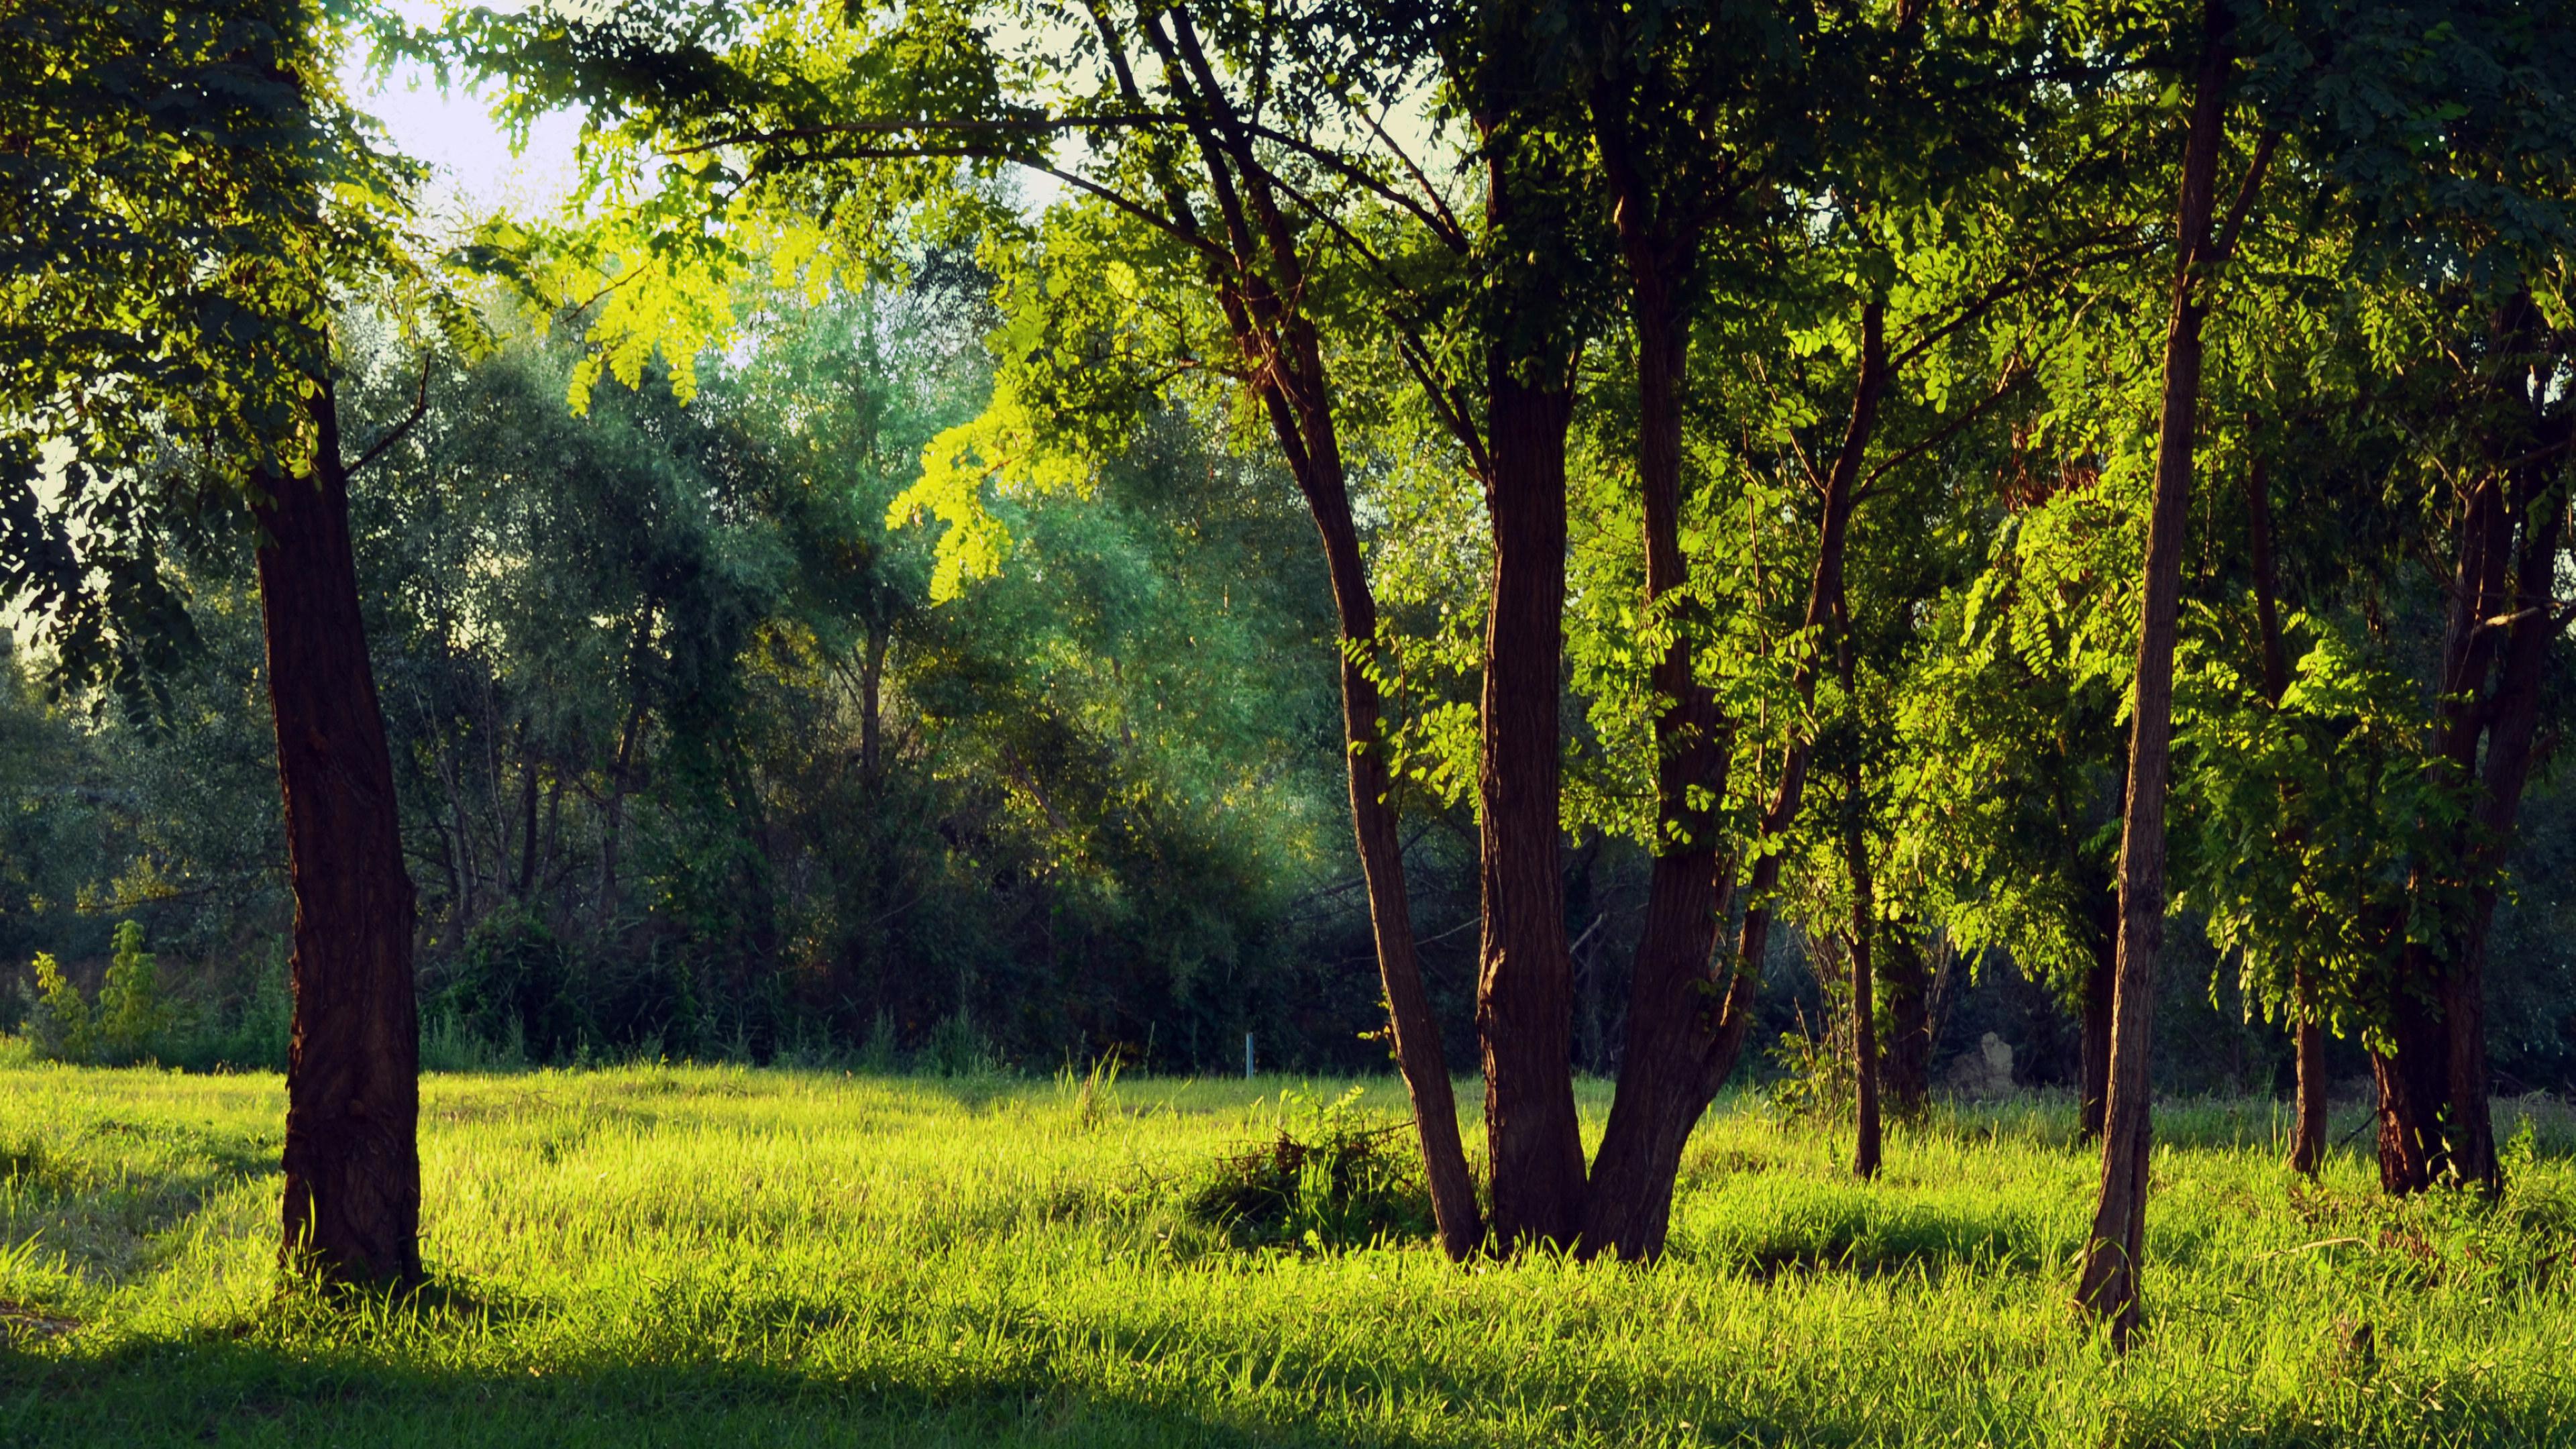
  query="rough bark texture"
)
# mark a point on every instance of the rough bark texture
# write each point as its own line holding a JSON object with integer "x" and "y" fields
{"x": 2108, "y": 1287}
{"x": 352, "y": 1158}
{"x": 2093, "y": 1022}
{"x": 1525, "y": 984}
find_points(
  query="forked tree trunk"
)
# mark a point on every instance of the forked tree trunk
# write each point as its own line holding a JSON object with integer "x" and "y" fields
{"x": 2108, "y": 1287}
{"x": 1686, "y": 1037}
{"x": 2535, "y": 517}
{"x": 1673, "y": 1012}
{"x": 2434, "y": 1120}
{"x": 2308, "y": 1137}
{"x": 1525, "y": 983}
{"x": 352, "y": 1159}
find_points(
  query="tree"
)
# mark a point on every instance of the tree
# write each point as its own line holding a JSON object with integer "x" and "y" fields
{"x": 190, "y": 203}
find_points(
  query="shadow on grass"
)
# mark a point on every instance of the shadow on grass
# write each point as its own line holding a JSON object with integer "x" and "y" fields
{"x": 258, "y": 1387}
{"x": 220, "y": 1389}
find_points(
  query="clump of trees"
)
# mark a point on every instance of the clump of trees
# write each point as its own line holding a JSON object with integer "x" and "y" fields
{"x": 1932, "y": 482}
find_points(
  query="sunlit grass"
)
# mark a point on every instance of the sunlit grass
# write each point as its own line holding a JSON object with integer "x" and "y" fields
{"x": 716, "y": 1256}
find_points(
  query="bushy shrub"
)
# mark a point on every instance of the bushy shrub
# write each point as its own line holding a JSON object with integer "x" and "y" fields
{"x": 132, "y": 1021}
{"x": 1332, "y": 1177}
{"x": 511, "y": 989}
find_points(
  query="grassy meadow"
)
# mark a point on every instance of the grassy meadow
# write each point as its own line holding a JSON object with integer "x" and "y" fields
{"x": 705, "y": 1256}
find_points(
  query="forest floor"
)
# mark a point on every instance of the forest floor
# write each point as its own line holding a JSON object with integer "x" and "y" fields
{"x": 714, "y": 1256}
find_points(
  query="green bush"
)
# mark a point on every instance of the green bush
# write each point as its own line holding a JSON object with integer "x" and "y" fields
{"x": 1332, "y": 1177}
{"x": 132, "y": 1021}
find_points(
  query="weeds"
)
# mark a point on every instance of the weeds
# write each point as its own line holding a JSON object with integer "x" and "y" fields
{"x": 1331, "y": 1176}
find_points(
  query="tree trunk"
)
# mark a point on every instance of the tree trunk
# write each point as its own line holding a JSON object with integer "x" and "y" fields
{"x": 527, "y": 820}
{"x": 2308, "y": 1137}
{"x": 2093, "y": 1022}
{"x": 1864, "y": 925}
{"x": 2108, "y": 1288}
{"x": 1525, "y": 985}
{"x": 2435, "y": 1118}
{"x": 1258, "y": 277}
{"x": 872, "y": 705}
{"x": 1688, "y": 1024}
{"x": 2513, "y": 723}
{"x": 1673, "y": 1004}
{"x": 352, "y": 1157}
{"x": 1907, "y": 1064}
{"x": 1375, "y": 825}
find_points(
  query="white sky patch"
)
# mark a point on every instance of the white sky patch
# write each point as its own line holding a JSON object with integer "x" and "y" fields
{"x": 473, "y": 171}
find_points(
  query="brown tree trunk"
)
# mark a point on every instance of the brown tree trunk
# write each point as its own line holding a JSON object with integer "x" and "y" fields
{"x": 2093, "y": 1022}
{"x": 2108, "y": 1288}
{"x": 2308, "y": 1137}
{"x": 1673, "y": 1014}
{"x": 2513, "y": 722}
{"x": 1375, "y": 825}
{"x": 1907, "y": 1064}
{"x": 2434, "y": 1116}
{"x": 1864, "y": 926}
{"x": 352, "y": 1157}
{"x": 1525, "y": 984}
{"x": 1258, "y": 276}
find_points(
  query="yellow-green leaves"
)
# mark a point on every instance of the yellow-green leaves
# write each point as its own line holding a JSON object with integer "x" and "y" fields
{"x": 1004, "y": 448}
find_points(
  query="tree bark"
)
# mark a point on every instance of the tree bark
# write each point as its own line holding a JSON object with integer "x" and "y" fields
{"x": 352, "y": 1158}
{"x": 1864, "y": 925}
{"x": 1907, "y": 1063}
{"x": 1674, "y": 1003}
{"x": 2435, "y": 1119}
{"x": 1525, "y": 985}
{"x": 1259, "y": 281}
{"x": 2108, "y": 1287}
{"x": 2538, "y": 503}
{"x": 2093, "y": 1022}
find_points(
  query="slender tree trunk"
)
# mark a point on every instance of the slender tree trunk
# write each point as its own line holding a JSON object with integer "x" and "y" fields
{"x": 1864, "y": 926}
{"x": 2308, "y": 1138}
{"x": 1525, "y": 986}
{"x": 352, "y": 1157}
{"x": 527, "y": 822}
{"x": 1375, "y": 826}
{"x": 2093, "y": 1021}
{"x": 1258, "y": 277}
{"x": 872, "y": 706}
{"x": 1673, "y": 1012}
{"x": 2108, "y": 1288}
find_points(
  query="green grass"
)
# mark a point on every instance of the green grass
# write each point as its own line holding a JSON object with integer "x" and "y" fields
{"x": 690, "y": 1256}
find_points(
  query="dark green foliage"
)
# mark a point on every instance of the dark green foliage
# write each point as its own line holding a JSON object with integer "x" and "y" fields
{"x": 1331, "y": 1177}
{"x": 512, "y": 985}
